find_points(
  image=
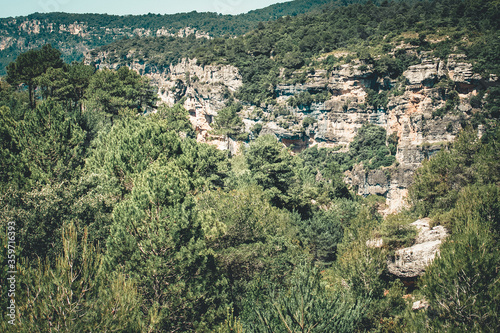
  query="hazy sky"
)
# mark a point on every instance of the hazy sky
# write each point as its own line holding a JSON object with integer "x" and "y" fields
{"x": 122, "y": 7}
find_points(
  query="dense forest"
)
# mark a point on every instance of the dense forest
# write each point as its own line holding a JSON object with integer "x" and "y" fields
{"x": 115, "y": 219}
{"x": 93, "y": 30}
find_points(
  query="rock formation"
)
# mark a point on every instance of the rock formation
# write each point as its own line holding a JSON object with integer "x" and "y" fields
{"x": 412, "y": 261}
{"x": 410, "y": 112}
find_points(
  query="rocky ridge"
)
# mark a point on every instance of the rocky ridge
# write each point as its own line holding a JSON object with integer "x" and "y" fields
{"x": 80, "y": 29}
{"x": 77, "y": 34}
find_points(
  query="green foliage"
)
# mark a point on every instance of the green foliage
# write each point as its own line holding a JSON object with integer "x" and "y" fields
{"x": 359, "y": 265}
{"x": 250, "y": 238}
{"x": 256, "y": 128}
{"x": 67, "y": 84}
{"x": 308, "y": 121}
{"x": 47, "y": 145}
{"x": 155, "y": 238}
{"x": 227, "y": 122}
{"x": 328, "y": 31}
{"x": 322, "y": 233}
{"x": 269, "y": 165}
{"x": 53, "y": 143}
{"x": 369, "y": 147}
{"x": 42, "y": 211}
{"x": 159, "y": 52}
{"x": 377, "y": 99}
{"x": 469, "y": 160}
{"x": 362, "y": 271}
{"x": 177, "y": 119}
{"x": 230, "y": 324}
{"x": 461, "y": 285}
{"x": 490, "y": 107}
{"x": 451, "y": 102}
{"x": 392, "y": 142}
{"x": 134, "y": 144}
{"x": 194, "y": 241}
{"x": 317, "y": 178}
{"x": 73, "y": 293}
{"x": 118, "y": 93}
{"x": 304, "y": 306}
{"x": 30, "y": 65}
{"x": 130, "y": 30}
{"x": 393, "y": 67}
{"x": 397, "y": 232}
{"x": 461, "y": 192}
{"x": 12, "y": 168}
{"x": 301, "y": 100}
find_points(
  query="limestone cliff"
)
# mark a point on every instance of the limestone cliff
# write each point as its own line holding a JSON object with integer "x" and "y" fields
{"x": 76, "y": 34}
{"x": 416, "y": 110}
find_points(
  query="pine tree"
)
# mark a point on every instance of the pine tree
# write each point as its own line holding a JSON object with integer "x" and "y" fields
{"x": 13, "y": 169}
{"x": 52, "y": 142}
{"x": 74, "y": 294}
{"x": 305, "y": 306}
{"x": 461, "y": 285}
{"x": 156, "y": 239}
{"x": 31, "y": 64}
{"x": 118, "y": 93}
{"x": 270, "y": 166}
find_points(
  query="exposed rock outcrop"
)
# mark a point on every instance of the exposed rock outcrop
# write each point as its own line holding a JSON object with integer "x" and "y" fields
{"x": 410, "y": 112}
{"x": 412, "y": 261}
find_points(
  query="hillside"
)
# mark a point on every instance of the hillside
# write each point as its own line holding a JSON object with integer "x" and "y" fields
{"x": 76, "y": 34}
{"x": 312, "y": 80}
{"x": 333, "y": 171}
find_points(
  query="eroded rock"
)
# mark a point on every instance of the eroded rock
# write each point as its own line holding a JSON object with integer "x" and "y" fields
{"x": 412, "y": 261}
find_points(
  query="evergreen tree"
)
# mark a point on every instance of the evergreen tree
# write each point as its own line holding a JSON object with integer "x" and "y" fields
{"x": 52, "y": 142}
{"x": 461, "y": 285}
{"x": 177, "y": 118}
{"x": 155, "y": 238}
{"x": 118, "y": 93}
{"x": 270, "y": 167}
{"x": 73, "y": 294}
{"x": 31, "y": 64}
{"x": 250, "y": 238}
{"x": 13, "y": 168}
{"x": 305, "y": 306}
{"x": 67, "y": 84}
{"x": 227, "y": 122}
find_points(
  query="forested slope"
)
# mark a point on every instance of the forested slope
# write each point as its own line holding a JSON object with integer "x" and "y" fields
{"x": 115, "y": 218}
{"x": 76, "y": 34}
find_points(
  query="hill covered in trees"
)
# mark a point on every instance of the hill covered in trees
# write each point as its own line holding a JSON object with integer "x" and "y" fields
{"x": 370, "y": 33}
{"x": 116, "y": 218}
{"x": 76, "y": 34}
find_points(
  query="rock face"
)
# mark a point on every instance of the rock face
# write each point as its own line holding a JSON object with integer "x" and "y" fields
{"x": 205, "y": 90}
{"x": 410, "y": 113}
{"x": 412, "y": 261}
{"x": 76, "y": 38}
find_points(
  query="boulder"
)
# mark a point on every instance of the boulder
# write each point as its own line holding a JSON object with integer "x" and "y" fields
{"x": 420, "y": 305}
{"x": 412, "y": 261}
{"x": 423, "y": 73}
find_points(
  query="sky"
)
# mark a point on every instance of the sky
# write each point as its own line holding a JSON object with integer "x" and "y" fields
{"x": 123, "y": 7}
